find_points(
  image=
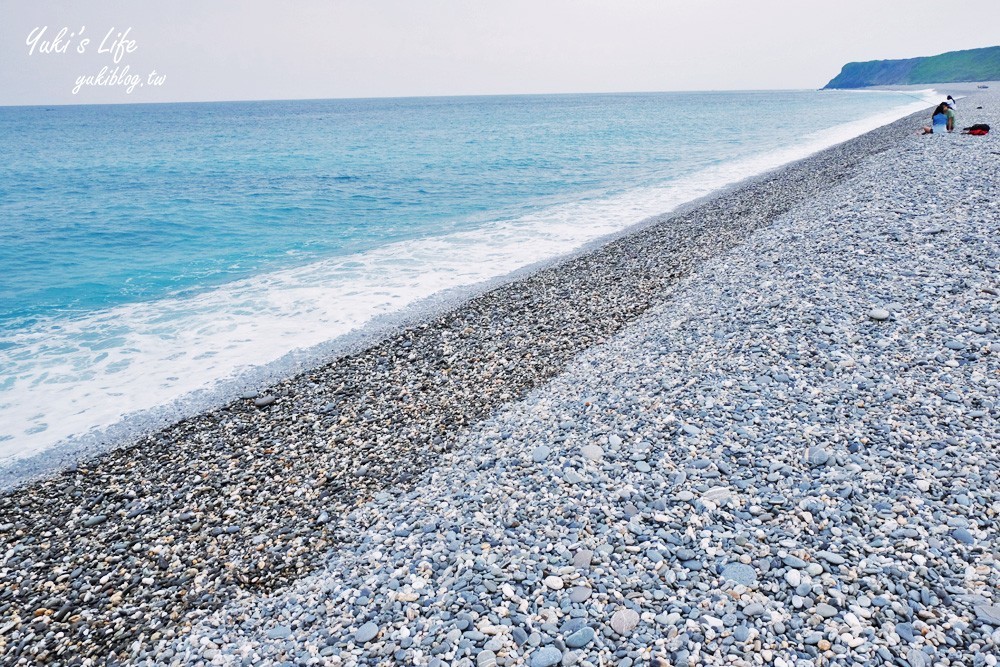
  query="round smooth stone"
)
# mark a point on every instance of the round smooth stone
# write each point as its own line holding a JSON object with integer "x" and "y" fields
{"x": 963, "y": 536}
{"x": 366, "y": 633}
{"x": 916, "y": 658}
{"x": 825, "y": 610}
{"x": 878, "y": 314}
{"x": 624, "y": 621}
{"x": 583, "y": 558}
{"x": 794, "y": 561}
{"x": 817, "y": 456}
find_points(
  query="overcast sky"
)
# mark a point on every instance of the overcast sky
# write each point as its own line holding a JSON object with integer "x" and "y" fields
{"x": 257, "y": 49}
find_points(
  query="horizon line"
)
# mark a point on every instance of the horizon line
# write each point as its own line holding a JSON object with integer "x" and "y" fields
{"x": 414, "y": 97}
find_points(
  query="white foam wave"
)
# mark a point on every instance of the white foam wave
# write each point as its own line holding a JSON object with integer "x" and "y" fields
{"x": 72, "y": 379}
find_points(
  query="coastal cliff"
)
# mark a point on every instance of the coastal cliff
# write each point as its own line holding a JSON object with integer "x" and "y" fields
{"x": 971, "y": 65}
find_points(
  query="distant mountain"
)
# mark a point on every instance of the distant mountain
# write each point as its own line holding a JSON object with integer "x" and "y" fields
{"x": 971, "y": 65}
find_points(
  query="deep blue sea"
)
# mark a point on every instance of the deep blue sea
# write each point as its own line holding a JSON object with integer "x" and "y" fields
{"x": 151, "y": 255}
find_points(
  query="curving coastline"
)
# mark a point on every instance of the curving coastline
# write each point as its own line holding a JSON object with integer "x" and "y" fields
{"x": 128, "y": 551}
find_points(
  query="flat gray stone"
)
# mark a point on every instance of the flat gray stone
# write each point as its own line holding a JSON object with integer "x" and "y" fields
{"x": 830, "y": 557}
{"x": 878, "y": 314}
{"x": 963, "y": 536}
{"x": 690, "y": 429}
{"x": 916, "y": 658}
{"x": 988, "y": 613}
{"x": 583, "y": 558}
{"x": 580, "y": 638}
{"x": 825, "y": 610}
{"x": 546, "y": 657}
{"x": 592, "y": 452}
{"x": 740, "y": 573}
{"x": 540, "y": 453}
{"x": 366, "y": 633}
{"x": 794, "y": 561}
{"x": 717, "y": 494}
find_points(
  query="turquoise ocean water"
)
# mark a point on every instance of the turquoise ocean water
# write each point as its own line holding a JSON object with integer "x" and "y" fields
{"x": 155, "y": 257}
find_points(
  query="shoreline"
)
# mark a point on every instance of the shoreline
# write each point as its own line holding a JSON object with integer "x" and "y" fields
{"x": 19, "y": 468}
{"x": 239, "y": 507}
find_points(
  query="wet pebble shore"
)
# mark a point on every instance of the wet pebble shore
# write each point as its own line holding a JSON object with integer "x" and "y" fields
{"x": 784, "y": 456}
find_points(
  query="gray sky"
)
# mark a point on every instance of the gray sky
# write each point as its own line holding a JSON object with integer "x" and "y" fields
{"x": 256, "y": 49}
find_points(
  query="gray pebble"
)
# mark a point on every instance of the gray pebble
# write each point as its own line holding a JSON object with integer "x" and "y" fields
{"x": 580, "y": 638}
{"x": 366, "y": 633}
{"x": 540, "y": 453}
{"x": 546, "y": 657}
{"x": 740, "y": 573}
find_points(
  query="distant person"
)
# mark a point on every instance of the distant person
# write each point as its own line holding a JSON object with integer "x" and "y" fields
{"x": 951, "y": 102}
{"x": 939, "y": 120}
{"x": 949, "y": 111}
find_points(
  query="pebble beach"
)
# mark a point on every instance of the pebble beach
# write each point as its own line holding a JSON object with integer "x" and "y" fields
{"x": 762, "y": 430}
